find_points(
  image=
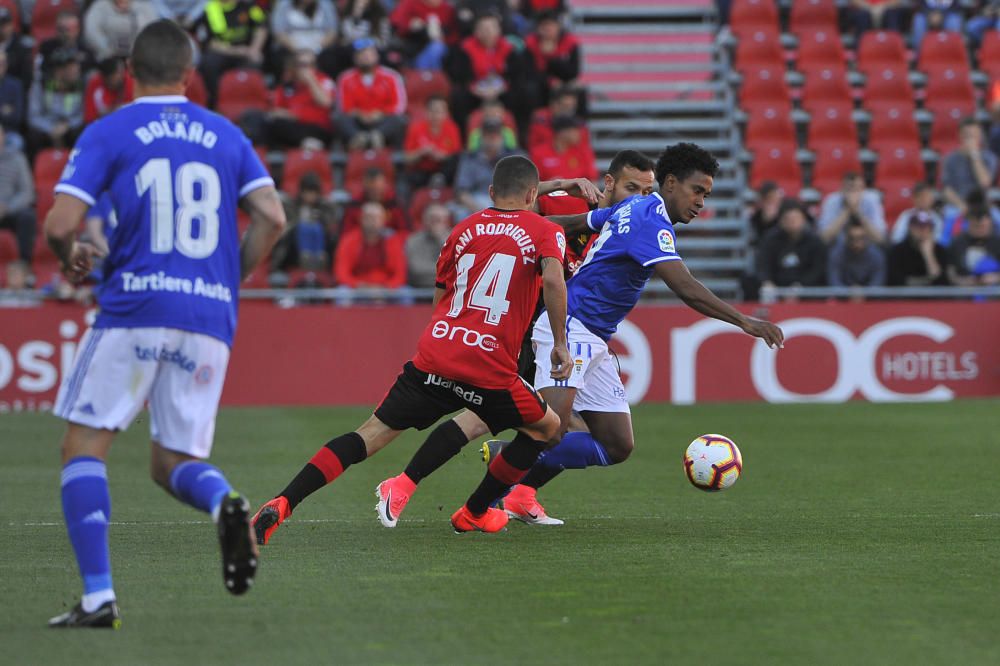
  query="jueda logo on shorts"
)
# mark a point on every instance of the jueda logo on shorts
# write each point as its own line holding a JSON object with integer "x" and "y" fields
{"x": 467, "y": 395}
{"x": 166, "y": 355}
{"x": 467, "y": 336}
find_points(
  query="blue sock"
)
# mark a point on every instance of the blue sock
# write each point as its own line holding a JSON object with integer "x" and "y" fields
{"x": 199, "y": 484}
{"x": 575, "y": 450}
{"x": 87, "y": 509}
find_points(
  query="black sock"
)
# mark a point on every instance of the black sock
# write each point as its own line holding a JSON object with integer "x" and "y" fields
{"x": 328, "y": 463}
{"x": 441, "y": 445}
{"x": 505, "y": 471}
{"x": 539, "y": 475}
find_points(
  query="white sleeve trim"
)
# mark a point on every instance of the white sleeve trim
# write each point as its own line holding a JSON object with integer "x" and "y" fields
{"x": 589, "y": 225}
{"x": 74, "y": 191}
{"x": 670, "y": 257}
{"x": 256, "y": 185}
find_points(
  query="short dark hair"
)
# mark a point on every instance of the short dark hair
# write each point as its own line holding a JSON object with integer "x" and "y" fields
{"x": 629, "y": 158}
{"x": 161, "y": 53}
{"x": 684, "y": 159}
{"x": 514, "y": 175}
{"x": 110, "y": 65}
{"x": 968, "y": 121}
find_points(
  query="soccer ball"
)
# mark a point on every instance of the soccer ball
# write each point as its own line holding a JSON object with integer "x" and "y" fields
{"x": 713, "y": 462}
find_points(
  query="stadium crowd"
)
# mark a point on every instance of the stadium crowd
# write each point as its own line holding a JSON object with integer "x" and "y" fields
{"x": 415, "y": 100}
{"x": 921, "y": 214}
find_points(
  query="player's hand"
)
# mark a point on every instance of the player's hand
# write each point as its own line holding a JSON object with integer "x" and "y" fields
{"x": 562, "y": 363}
{"x": 81, "y": 261}
{"x": 582, "y": 188}
{"x": 766, "y": 331}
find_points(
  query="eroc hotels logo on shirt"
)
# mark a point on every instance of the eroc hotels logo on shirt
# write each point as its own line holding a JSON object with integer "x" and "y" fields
{"x": 868, "y": 365}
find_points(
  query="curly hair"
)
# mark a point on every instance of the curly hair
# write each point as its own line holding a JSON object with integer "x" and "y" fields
{"x": 684, "y": 159}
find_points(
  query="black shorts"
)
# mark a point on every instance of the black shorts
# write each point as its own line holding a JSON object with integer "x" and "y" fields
{"x": 418, "y": 399}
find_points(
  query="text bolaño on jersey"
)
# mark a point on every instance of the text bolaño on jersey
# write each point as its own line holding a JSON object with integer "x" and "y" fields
{"x": 175, "y": 173}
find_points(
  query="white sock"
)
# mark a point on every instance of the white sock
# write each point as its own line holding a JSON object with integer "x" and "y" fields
{"x": 94, "y": 600}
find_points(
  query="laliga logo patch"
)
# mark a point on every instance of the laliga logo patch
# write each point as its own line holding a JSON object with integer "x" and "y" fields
{"x": 665, "y": 240}
{"x": 561, "y": 242}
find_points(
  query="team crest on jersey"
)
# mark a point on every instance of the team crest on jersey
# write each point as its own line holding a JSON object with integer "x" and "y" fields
{"x": 561, "y": 242}
{"x": 665, "y": 240}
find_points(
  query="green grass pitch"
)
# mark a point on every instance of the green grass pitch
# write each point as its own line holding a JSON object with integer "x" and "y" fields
{"x": 859, "y": 534}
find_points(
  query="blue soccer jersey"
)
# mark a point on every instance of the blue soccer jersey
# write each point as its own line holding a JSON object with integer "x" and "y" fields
{"x": 634, "y": 235}
{"x": 175, "y": 173}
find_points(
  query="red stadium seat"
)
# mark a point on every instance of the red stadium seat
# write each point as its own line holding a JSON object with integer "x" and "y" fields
{"x": 423, "y": 198}
{"x": 832, "y": 126}
{"x": 769, "y": 125}
{"x": 897, "y": 196}
{"x": 989, "y": 54}
{"x": 49, "y": 165}
{"x": 359, "y": 161}
{"x": 820, "y": 49}
{"x": 43, "y": 17}
{"x": 880, "y": 50}
{"x": 765, "y": 87}
{"x": 777, "y": 163}
{"x": 196, "y": 91}
{"x": 760, "y": 48}
{"x": 891, "y": 126}
{"x": 944, "y": 129}
{"x": 747, "y": 16}
{"x": 826, "y": 87}
{"x": 298, "y": 162}
{"x": 422, "y": 84}
{"x": 808, "y": 15}
{"x": 242, "y": 90}
{"x": 832, "y": 163}
{"x": 888, "y": 87}
{"x": 943, "y": 49}
{"x": 901, "y": 163}
{"x": 949, "y": 88}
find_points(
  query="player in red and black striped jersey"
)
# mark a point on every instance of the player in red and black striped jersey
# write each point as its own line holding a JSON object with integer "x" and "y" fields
{"x": 629, "y": 173}
{"x": 489, "y": 275}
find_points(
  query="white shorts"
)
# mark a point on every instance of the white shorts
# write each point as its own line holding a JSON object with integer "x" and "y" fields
{"x": 179, "y": 373}
{"x": 595, "y": 375}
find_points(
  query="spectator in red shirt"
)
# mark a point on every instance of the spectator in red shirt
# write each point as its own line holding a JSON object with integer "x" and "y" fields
{"x": 372, "y": 101}
{"x": 426, "y": 28}
{"x": 374, "y": 188}
{"x": 486, "y": 66}
{"x": 432, "y": 144}
{"x": 556, "y": 53}
{"x": 567, "y": 156}
{"x": 370, "y": 256}
{"x": 302, "y": 103}
{"x": 564, "y": 101}
{"x": 107, "y": 89}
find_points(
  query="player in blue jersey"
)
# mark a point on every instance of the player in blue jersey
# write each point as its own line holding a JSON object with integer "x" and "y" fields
{"x": 636, "y": 241}
{"x": 175, "y": 174}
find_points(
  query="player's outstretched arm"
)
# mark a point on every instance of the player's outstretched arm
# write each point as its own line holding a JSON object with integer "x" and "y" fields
{"x": 554, "y": 295}
{"x": 581, "y": 188}
{"x": 76, "y": 259}
{"x": 573, "y": 224}
{"x": 267, "y": 221}
{"x": 699, "y": 297}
